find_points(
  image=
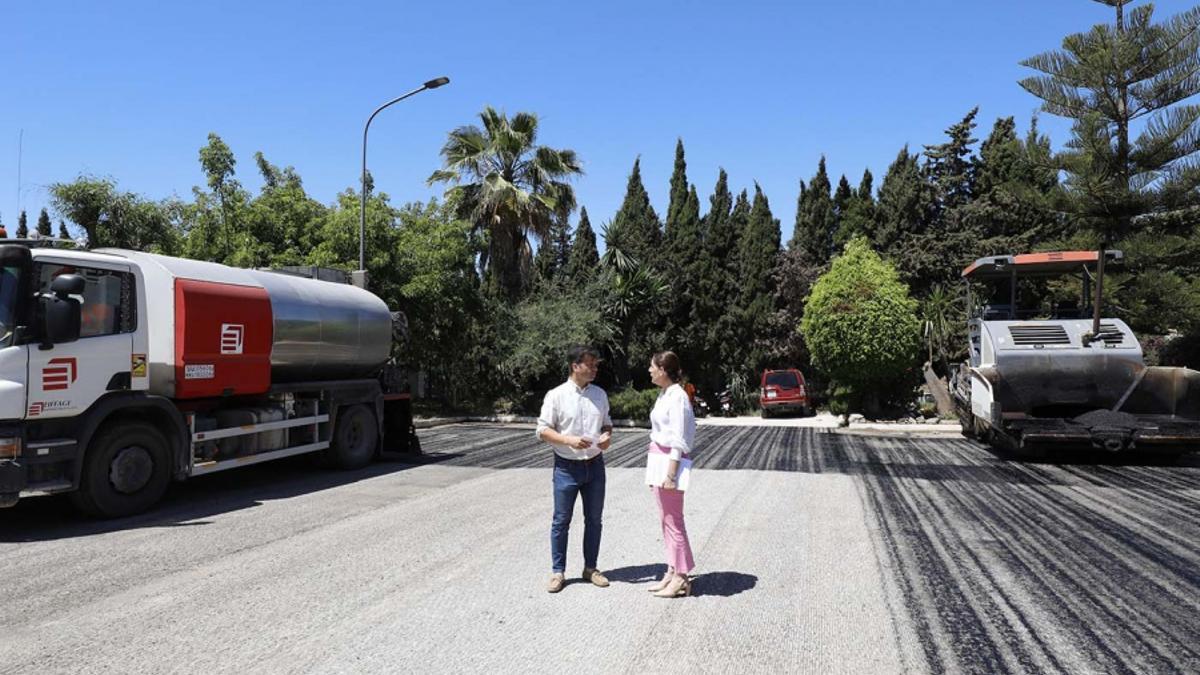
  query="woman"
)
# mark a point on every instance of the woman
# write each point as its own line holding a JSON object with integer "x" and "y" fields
{"x": 672, "y": 428}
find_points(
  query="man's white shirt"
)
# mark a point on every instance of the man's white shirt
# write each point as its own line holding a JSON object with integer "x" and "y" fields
{"x": 572, "y": 411}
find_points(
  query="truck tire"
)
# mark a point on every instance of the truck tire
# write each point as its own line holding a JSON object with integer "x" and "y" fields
{"x": 126, "y": 470}
{"x": 354, "y": 438}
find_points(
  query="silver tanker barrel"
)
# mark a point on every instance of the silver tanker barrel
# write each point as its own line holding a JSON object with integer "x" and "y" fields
{"x": 324, "y": 330}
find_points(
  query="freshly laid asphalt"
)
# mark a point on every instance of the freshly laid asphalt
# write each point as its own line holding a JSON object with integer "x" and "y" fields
{"x": 816, "y": 552}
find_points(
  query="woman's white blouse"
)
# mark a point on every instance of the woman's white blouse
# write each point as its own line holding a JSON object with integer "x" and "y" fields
{"x": 672, "y": 423}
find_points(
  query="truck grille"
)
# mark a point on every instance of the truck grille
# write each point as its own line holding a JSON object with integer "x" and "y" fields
{"x": 1039, "y": 335}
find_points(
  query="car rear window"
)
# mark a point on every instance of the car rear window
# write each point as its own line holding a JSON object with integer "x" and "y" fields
{"x": 782, "y": 380}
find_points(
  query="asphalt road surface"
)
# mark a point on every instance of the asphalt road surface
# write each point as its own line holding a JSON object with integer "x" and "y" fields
{"x": 816, "y": 552}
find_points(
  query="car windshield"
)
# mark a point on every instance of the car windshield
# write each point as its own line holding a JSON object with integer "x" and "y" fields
{"x": 782, "y": 380}
{"x": 9, "y": 279}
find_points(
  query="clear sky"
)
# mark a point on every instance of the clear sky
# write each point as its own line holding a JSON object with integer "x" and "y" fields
{"x": 130, "y": 90}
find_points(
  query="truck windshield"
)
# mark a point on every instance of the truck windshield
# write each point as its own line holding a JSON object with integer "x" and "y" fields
{"x": 9, "y": 280}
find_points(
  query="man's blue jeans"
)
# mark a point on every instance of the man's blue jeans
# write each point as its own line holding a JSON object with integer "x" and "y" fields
{"x": 571, "y": 478}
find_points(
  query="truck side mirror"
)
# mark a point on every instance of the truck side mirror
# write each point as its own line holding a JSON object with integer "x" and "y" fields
{"x": 60, "y": 313}
{"x": 67, "y": 284}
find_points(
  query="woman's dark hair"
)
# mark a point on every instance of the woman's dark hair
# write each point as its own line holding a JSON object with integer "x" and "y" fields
{"x": 669, "y": 363}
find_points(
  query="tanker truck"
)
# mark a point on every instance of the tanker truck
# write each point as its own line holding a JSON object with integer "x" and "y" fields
{"x": 1040, "y": 375}
{"x": 121, "y": 371}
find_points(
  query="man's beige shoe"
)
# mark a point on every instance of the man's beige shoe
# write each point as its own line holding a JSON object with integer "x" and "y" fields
{"x": 595, "y": 577}
{"x": 556, "y": 582}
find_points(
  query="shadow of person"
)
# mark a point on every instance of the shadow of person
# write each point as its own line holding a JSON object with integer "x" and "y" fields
{"x": 723, "y": 584}
{"x": 639, "y": 574}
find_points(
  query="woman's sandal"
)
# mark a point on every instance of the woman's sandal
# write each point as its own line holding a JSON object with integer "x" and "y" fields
{"x": 662, "y": 583}
{"x": 679, "y": 586}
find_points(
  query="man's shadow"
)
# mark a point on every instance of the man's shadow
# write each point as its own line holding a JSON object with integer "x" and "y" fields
{"x": 723, "y": 584}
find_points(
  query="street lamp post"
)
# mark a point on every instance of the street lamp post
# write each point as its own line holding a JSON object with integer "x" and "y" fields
{"x": 360, "y": 277}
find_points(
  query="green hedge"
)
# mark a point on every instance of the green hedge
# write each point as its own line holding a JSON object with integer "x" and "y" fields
{"x": 631, "y": 404}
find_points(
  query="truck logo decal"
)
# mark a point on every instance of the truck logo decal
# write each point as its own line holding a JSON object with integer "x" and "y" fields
{"x": 38, "y": 407}
{"x": 59, "y": 373}
{"x": 231, "y": 338}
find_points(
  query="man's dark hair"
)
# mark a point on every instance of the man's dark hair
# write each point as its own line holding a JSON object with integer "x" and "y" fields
{"x": 578, "y": 353}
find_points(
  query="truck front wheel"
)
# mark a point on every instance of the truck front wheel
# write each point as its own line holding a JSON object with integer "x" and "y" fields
{"x": 354, "y": 438}
{"x": 126, "y": 471}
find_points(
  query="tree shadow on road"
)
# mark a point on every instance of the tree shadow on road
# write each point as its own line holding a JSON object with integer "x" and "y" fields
{"x": 187, "y": 504}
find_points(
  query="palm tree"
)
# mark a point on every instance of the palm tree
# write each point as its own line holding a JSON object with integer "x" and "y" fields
{"x": 508, "y": 187}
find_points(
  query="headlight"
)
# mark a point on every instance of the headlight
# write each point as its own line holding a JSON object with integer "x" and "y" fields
{"x": 10, "y": 448}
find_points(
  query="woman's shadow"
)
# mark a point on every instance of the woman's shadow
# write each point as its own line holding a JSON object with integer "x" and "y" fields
{"x": 723, "y": 584}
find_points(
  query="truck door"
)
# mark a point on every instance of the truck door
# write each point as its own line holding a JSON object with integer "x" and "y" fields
{"x": 66, "y": 380}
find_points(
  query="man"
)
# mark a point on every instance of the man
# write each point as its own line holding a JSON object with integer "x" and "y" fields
{"x": 575, "y": 422}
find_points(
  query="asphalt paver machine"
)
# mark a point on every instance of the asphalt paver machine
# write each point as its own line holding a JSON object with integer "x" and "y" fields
{"x": 1040, "y": 375}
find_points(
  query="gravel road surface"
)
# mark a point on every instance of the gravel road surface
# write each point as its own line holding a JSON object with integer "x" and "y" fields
{"x": 816, "y": 551}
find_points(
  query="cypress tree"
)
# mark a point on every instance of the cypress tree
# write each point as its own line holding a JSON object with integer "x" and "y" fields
{"x": 553, "y": 252}
{"x": 22, "y": 226}
{"x": 63, "y": 233}
{"x": 636, "y": 230}
{"x": 842, "y": 197}
{"x": 903, "y": 200}
{"x": 816, "y": 218}
{"x": 858, "y": 216}
{"x": 43, "y": 224}
{"x": 757, "y": 252}
{"x": 679, "y": 194}
{"x": 584, "y": 258}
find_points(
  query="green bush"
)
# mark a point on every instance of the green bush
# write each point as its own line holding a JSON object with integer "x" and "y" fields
{"x": 632, "y": 404}
{"x": 861, "y": 326}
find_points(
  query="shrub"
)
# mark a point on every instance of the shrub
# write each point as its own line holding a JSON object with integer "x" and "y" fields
{"x": 861, "y": 326}
{"x": 632, "y": 404}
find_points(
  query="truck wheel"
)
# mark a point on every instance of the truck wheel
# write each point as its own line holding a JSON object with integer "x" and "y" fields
{"x": 126, "y": 471}
{"x": 354, "y": 439}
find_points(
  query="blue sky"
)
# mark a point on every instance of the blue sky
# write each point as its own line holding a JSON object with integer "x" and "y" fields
{"x": 130, "y": 90}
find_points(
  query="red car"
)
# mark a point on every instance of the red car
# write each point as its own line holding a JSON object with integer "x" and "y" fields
{"x": 783, "y": 391}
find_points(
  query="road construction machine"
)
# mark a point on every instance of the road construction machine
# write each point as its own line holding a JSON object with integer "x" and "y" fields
{"x": 1040, "y": 375}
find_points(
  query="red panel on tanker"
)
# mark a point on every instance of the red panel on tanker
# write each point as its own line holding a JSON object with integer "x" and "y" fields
{"x": 222, "y": 339}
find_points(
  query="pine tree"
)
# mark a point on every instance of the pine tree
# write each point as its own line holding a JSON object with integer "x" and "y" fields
{"x": 636, "y": 230}
{"x": 948, "y": 166}
{"x": 22, "y": 226}
{"x": 43, "y": 224}
{"x": 1116, "y": 76}
{"x": 583, "y": 258}
{"x": 816, "y": 218}
{"x": 63, "y": 233}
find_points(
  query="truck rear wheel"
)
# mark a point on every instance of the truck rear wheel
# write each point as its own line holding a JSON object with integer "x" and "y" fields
{"x": 354, "y": 438}
{"x": 126, "y": 470}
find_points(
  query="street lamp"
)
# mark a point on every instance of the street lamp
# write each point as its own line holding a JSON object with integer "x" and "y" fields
{"x": 360, "y": 277}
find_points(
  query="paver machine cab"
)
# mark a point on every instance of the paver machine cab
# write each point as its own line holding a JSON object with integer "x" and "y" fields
{"x": 1039, "y": 375}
